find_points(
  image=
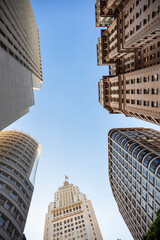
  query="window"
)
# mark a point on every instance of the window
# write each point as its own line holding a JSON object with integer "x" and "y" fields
{"x": 154, "y": 91}
{"x": 146, "y": 91}
{"x": 127, "y": 82}
{"x": 158, "y": 184}
{"x": 132, "y": 101}
{"x": 132, "y": 81}
{"x": 154, "y": 104}
{"x": 152, "y": 47}
{"x": 144, "y": 194}
{"x": 151, "y": 190}
{"x": 155, "y": 77}
{"x": 151, "y": 179}
{"x": 145, "y": 173}
{"x": 158, "y": 197}
{"x": 139, "y": 91}
{"x": 154, "y": 13}
{"x": 146, "y": 103}
{"x": 146, "y": 20}
{"x": 146, "y": 79}
{"x": 138, "y": 26}
{"x": 152, "y": 56}
{"x": 144, "y": 184}
{"x": 139, "y": 102}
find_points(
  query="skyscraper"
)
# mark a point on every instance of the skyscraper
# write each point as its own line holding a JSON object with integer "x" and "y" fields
{"x": 20, "y": 60}
{"x": 19, "y": 156}
{"x": 71, "y": 216}
{"x": 130, "y": 45}
{"x": 134, "y": 173}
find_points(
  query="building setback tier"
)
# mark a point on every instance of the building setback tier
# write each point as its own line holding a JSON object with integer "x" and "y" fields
{"x": 71, "y": 216}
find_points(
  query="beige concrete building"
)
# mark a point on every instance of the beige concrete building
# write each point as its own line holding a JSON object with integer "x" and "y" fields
{"x": 131, "y": 47}
{"x": 134, "y": 173}
{"x": 20, "y": 60}
{"x": 71, "y": 216}
{"x": 19, "y": 156}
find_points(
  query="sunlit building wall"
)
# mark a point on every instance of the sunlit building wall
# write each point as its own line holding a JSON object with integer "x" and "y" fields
{"x": 71, "y": 216}
{"x": 131, "y": 43}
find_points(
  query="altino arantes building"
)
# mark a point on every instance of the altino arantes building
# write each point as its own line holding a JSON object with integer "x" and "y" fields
{"x": 20, "y": 60}
{"x": 134, "y": 173}
{"x": 71, "y": 216}
{"x": 19, "y": 156}
{"x": 130, "y": 45}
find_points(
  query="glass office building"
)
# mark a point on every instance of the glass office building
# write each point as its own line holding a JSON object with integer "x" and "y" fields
{"x": 134, "y": 172}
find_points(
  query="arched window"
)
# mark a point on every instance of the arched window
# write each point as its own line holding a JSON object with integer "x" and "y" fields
{"x": 148, "y": 158}
{"x": 155, "y": 163}
{"x": 132, "y": 147}
{"x": 114, "y": 133}
{"x": 124, "y": 142}
{"x": 120, "y": 140}
{"x": 117, "y": 137}
{"x": 142, "y": 154}
{"x": 136, "y": 151}
{"x": 158, "y": 173}
{"x": 128, "y": 144}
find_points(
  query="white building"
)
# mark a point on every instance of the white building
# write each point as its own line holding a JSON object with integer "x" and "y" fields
{"x": 71, "y": 216}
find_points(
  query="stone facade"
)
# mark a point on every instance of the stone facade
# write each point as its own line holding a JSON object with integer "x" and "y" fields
{"x": 71, "y": 216}
{"x": 131, "y": 43}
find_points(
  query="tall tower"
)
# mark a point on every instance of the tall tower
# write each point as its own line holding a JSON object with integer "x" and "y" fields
{"x": 19, "y": 156}
{"x": 71, "y": 216}
{"x": 20, "y": 60}
{"x": 130, "y": 45}
{"x": 134, "y": 173}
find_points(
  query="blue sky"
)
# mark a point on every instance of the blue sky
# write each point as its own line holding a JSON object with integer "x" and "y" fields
{"x": 68, "y": 120}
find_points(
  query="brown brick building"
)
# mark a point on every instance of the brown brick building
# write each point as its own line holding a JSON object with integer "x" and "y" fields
{"x": 130, "y": 45}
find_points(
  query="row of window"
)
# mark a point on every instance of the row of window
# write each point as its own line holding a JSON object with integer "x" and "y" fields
{"x": 145, "y": 103}
{"x": 17, "y": 174}
{"x": 10, "y": 229}
{"x": 16, "y": 184}
{"x": 152, "y": 47}
{"x": 144, "y": 91}
{"x": 137, "y": 151}
{"x": 67, "y": 211}
{"x": 14, "y": 195}
{"x": 137, "y": 196}
{"x": 145, "y": 79}
{"x": 12, "y": 209}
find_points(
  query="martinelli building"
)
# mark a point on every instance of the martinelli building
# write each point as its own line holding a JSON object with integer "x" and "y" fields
{"x": 19, "y": 156}
{"x": 134, "y": 173}
{"x": 71, "y": 216}
{"x": 130, "y": 45}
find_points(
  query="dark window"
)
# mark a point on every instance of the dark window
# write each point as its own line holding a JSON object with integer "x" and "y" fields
{"x": 142, "y": 154}
{"x": 155, "y": 164}
{"x": 148, "y": 158}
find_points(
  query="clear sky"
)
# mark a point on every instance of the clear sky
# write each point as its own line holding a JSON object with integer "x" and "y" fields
{"x": 68, "y": 120}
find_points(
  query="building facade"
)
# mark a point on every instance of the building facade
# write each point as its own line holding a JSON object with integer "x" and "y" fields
{"x": 134, "y": 173}
{"x": 71, "y": 216}
{"x": 130, "y": 45}
{"x": 19, "y": 156}
{"x": 20, "y": 60}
